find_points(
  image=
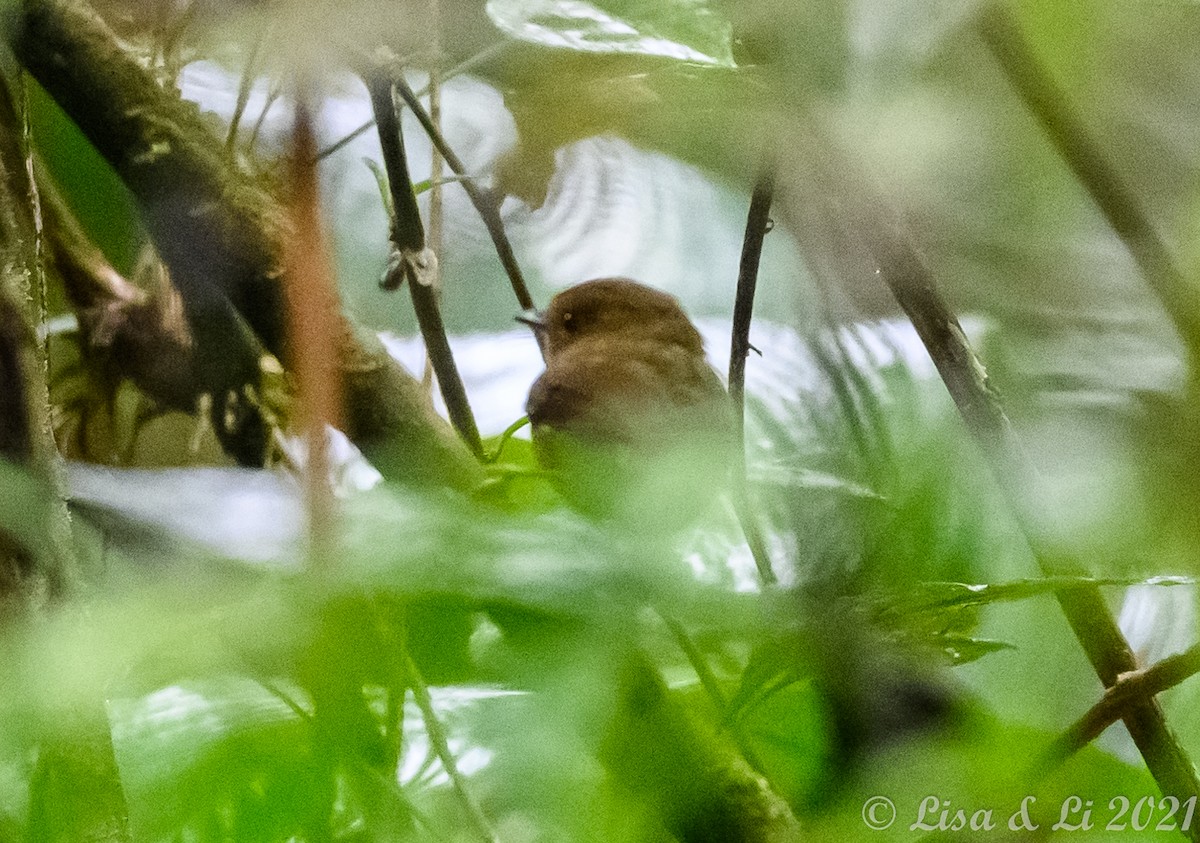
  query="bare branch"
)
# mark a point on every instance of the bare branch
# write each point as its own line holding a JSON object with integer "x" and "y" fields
{"x": 414, "y": 259}
{"x": 483, "y": 199}
{"x": 1131, "y": 689}
{"x": 757, "y": 225}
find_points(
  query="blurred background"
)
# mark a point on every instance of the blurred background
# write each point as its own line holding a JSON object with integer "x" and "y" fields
{"x": 624, "y": 138}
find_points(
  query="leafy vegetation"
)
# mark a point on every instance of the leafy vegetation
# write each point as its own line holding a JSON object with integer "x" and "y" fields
{"x": 221, "y": 623}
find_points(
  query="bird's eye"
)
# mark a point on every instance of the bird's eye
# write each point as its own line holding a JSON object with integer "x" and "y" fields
{"x": 568, "y": 321}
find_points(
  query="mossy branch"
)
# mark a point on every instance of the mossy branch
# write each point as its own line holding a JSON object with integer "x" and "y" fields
{"x": 703, "y": 789}
{"x": 206, "y": 226}
{"x": 76, "y": 793}
{"x": 219, "y": 234}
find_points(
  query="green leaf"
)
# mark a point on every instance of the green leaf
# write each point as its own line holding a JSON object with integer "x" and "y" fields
{"x": 518, "y": 484}
{"x": 942, "y": 615}
{"x": 225, "y": 751}
{"x": 961, "y": 649}
{"x": 87, "y": 183}
{"x": 933, "y": 596}
{"x": 791, "y": 733}
{"x": 683, "y": 30}
{"x": 772, "y": 667}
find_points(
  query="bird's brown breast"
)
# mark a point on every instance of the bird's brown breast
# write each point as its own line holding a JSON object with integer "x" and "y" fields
{"x": 620, "y": 390}
{"x": 633, "y": 429}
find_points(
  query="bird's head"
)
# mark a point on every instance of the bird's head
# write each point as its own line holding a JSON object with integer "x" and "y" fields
{"x": 612, "y": 307}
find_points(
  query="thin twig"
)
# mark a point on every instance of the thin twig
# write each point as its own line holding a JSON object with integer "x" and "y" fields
{"x": 436, "y": 163}
{"x": 272, "y": 94}
{"x": 244, "y": 86}
{"x": 408, "y": 237}
{"x": 1136, "y": 687}
{"x": 1072, "y": 139}
{"x": 758, "y": 223}
{"x": 471, "y": 62}
{"x": 483, "y": 199}
{"x": 441, "y": 746}
{"x": 347, "y": 139}
{"x": 312, "y": 307}
{"x": 436, "y": 167}
{"x": 462, "y": 67}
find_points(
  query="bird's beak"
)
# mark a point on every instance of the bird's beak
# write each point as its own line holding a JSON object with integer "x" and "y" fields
{"x": 533, "y": 319}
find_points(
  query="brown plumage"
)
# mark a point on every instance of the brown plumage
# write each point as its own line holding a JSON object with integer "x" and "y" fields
{"x": 629, "y": 419}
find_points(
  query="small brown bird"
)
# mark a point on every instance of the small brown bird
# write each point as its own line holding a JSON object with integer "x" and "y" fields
{"x": 629, "y": 419}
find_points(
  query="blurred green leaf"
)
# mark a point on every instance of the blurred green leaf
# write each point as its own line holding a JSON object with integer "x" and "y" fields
{"x": 223, "y": 750}
{"x": 385, "y": 812}
{"x": 790, "y": 732}
{"x": 944, "y": 616}
{"x": 515, "y": 481}
{"x": 982, "y": 764}
{"x": 772, "y": 666}
{"x": 684, "y": 30}
{"x": 933, "y": 596}
{"x": 87, "y": 182}
{"x": 962, "y": 649}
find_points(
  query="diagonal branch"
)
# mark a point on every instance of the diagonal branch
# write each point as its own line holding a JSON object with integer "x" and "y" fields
{"x": 415, "y": 259}
{"x": 220, "y": 235}
{"x": 204, "y": 225}
{"x": 1130, "y": 689}
{"x": 483, "y": 199}
{"x": 911, "y": 283}
{"x": 1051, "y": 106}
{"x": 979, "y": 406}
